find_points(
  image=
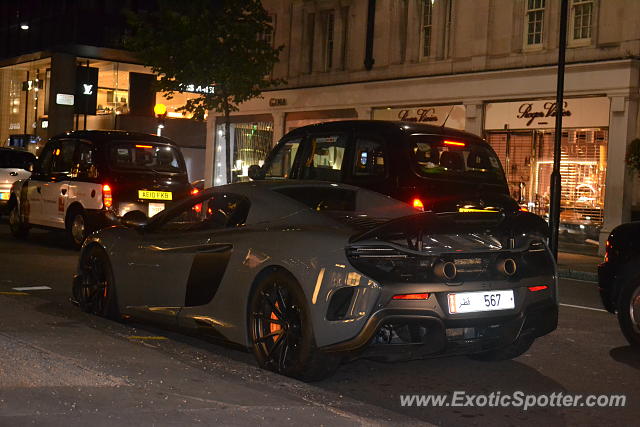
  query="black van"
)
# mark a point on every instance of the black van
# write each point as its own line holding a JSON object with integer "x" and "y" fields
{"x": 430, "y": 167}
{"x": 85, "y": 180}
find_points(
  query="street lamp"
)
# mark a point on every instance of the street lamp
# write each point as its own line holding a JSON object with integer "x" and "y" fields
{"x": 160, "y": 111}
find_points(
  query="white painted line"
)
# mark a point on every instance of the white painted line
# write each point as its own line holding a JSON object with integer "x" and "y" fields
{"x": 584, "y": 308}
{"x": 31, "y": 288}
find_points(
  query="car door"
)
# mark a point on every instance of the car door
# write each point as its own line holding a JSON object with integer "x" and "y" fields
{"x": 325, "y": 157}
{"x": 31, "y": 204}
{"x": 180, "y": 258}
{"x": 283, "y": 163}
{"x": 55, "y": 190}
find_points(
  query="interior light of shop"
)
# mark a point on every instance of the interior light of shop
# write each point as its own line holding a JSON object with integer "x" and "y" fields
{"x": 455, "y": 143}
{"x": 144, "y": 146}
{"x": 107, "y": 196}
{"x": 24, "y": 26}
{"x": 538, "y": 288}
{"x": 417, "y": 204}
{"x": 412, "y": 296}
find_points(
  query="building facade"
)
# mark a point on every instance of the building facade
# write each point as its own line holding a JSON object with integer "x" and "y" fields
{"x": 63, "y": 67}
{"x": 486, "y": 66}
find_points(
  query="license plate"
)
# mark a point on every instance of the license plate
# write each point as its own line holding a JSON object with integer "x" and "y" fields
{"x": 4, "y": 196}
{"x": 471, "y": 302}
{"x": 155, "y": 208}
{"x": 155, "y": 195}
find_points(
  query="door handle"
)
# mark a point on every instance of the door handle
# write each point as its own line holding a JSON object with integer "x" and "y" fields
{"x": 13, "y": 173}
{"x": 63, "y": 191}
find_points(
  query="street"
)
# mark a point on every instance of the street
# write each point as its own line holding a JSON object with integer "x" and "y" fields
{"x": 64, "y": 367}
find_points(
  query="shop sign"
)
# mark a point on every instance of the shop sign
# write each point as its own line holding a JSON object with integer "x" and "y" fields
{"x": 277, "y": 102}
{"x": 86, "y": 90}
{"x": 14, "y": 126}
{"x": 64, "y": 99}
{"x": 454, "y": 115}
{"x": 191, "y": 88}
{"x": 541, "y": 114}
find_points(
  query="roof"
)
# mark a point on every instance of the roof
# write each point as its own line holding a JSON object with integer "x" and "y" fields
{"x": 104, "y": 135}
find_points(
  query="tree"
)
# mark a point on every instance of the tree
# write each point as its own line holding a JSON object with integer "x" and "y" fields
{"x": 218, "y": 43}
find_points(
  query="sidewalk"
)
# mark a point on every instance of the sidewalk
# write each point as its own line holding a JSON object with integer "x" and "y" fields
{"x": 579, "y": 267}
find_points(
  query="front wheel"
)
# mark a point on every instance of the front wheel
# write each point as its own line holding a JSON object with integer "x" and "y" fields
{"x": 281, "y": 331}
{"x": 18, "y": 227}
{"x": 629, "y": 312}
{"x": 77, "y": 228}
{"x": 95, "y": 291}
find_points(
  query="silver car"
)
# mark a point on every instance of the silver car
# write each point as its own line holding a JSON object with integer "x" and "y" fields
{"x": 307, "y": 274}
{"x": 14, "y": 166}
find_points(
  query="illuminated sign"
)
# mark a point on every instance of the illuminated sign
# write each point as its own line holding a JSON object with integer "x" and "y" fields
{"x": 64, "y": 99}
{"x": 277, "y": 102}
{"x": 88, "y": 89}
{"x": 86, "y": 95}
{"x": 197, "y": 89}
{"x": 454, "y": 115}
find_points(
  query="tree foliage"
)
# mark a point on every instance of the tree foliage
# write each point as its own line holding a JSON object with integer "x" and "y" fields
{"x": 204, "y": 43}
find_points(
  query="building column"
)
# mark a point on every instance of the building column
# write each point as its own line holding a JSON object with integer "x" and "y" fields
{"x": 364, "y": 113}
{"x": 63, "y": 81}
{"x": 473, "y": 117}
{"x": 210, "y": 151}
{"x": 278, "y": 126}
{"x": 623, "y": 116}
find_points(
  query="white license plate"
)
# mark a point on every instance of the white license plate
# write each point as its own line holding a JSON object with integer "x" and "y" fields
{"x": 155, "y": 208}
{"x": 471, "y": 302}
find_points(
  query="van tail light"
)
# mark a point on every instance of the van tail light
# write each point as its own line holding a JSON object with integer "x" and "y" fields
{"x": 538, "y": 288}
{"x": 107, "y": 196}
{"x": 417, "y": 204}
{"x": 455, "y": 143}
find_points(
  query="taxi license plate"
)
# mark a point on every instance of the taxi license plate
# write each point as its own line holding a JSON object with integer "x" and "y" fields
{"x": 155, "y": 208}
{"x": 4, "y": 196}
{"x": 471, "y": 302}
{"x": 155, "y": 195}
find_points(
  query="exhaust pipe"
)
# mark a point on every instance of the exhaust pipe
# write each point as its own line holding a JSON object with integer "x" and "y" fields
{"x": 507, "y": 266}
{"x": 445, "y": 270}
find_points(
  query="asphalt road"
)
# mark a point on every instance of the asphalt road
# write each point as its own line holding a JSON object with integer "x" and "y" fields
{"x": 59, "y": 366}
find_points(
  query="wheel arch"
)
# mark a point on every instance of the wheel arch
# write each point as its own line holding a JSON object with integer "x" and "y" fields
{"x": 73, "y": 207}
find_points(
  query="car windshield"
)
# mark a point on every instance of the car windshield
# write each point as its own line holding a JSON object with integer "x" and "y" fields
{"x": 455, "y": 159}
{"x": 143, "y": 155}
{"x": 16, "y": 159}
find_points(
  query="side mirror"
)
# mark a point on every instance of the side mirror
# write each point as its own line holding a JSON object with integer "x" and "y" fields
{"x": 256, "y": 172}
{"x": 134, "y": 222}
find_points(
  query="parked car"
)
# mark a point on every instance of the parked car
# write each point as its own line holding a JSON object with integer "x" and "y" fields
{"x": 307, "y": 274}
{"x": 14, "y": 165}
{"x": 619, "y": 279}
{"x": 430, "y": 167}
{"x": 86, "y": 180}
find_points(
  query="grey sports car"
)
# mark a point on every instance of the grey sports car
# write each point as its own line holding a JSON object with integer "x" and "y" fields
{"x": 307, "y": 274}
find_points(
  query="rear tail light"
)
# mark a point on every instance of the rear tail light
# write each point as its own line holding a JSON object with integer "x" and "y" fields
{"x": 107, "y": 196}
{"x": 197, "y": 208}
{"x": 194, "y": 191}
{"x": 538, "y": 288}
{"x": 607, "y": 248}
{"x": 422, "y": 296}
{"x": 455, "y": 143}
{"x": 417, "y": 204}
{"x": 523, "y": 209}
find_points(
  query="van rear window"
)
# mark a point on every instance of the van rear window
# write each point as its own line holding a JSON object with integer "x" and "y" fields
{"x": 455, "y": 159}
{"x": 146, "y": 156}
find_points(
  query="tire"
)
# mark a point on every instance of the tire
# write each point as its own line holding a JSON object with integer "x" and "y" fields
{"x": 629, "y": 311}
{"x": 95, "y": 292}
{"x": 282, "y": 340}
{"x": 513, "y": 350}
{"x": 17, "y": 225}
{"x": 77, "y": 228}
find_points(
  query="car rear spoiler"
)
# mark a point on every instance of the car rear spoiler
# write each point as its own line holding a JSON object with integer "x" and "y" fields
{"x": 415, "y": 226}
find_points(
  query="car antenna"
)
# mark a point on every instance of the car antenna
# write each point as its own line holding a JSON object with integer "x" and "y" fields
{"x": 447, "y": 118}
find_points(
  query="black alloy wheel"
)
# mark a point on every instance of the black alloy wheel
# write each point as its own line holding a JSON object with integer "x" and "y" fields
{"x": 95, "y": 291}
{"x": 77, "y": 228}
{"x": 281, "y": 333}
{"x": 16, "y": 223}
{"x": 629, "y": 311}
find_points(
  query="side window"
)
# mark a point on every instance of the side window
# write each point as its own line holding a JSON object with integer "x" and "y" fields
{"x": 63, "y": 157}
{"x": 46, "y": 159}
{"x": 84, "y": 164}
{"x": 220, "y": 210}
{"x": 370, "y": 159}
{"x": 282, "y": 162}
{"x": 325, "y": 158}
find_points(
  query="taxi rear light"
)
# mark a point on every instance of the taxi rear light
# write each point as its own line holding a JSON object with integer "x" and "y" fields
{"x": 417, "y": 204}
{"x": 194, "y": 191}
{"x": 144, "y": 146}
{"x": 107, "y": 196}
{"x": 538, "y": 288}
{"x": 523, "y": 209}
{"x": 455, "y": 143}
{"x": 421, "y": 296}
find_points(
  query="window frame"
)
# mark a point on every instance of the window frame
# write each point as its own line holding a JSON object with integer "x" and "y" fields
{"x": 346, "y": 165}
{"x": 586, "y": 41}
{"x": 353, "y": 153}
{"x": 527, "y": 12}
{"x": 423, "y": 27}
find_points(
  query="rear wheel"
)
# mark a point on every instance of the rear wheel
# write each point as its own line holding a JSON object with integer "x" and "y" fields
{"x": 281, "y": 331}
{"x": 77, "y": 228}
{"x": 16, "y": 223}
{"x": 513, "y": 350}
{"x": 96, "y": 292}
{"x": 629, "y": 311}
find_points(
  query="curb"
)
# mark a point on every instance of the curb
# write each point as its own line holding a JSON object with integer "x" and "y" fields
{"x": 578, "y": 275}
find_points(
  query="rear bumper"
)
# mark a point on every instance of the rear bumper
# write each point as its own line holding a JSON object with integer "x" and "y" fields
{"x": 439, "y": 337}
